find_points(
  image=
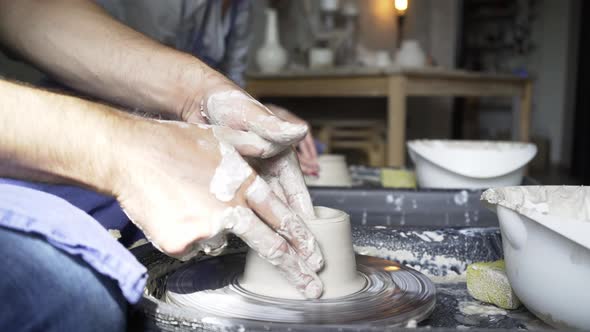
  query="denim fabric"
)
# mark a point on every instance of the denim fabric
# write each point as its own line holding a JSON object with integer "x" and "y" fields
{"x": 43, "y": 288}
{"x": 104, "y": 209}
{"x": 73, "y": 231}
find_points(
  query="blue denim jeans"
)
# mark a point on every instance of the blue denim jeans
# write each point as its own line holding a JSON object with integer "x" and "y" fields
{"x": 45, "y": 289}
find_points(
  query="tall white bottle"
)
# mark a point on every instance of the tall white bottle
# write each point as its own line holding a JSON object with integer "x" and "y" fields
{"x": 271, "y": 57}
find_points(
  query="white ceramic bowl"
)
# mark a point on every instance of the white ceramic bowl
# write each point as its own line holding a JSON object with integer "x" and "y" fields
{"x": 333, "y": 172}
{"x": 469, "y": 164}
{"x": 546, "y": 240}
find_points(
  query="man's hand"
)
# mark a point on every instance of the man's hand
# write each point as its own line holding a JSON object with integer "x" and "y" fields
{"x": 185, "y": 188}
{"x": 134, "y": 71}
{"x": 258, "y": 133}
{"x": 180, "y": 183}
{"x": 306, "y": 150}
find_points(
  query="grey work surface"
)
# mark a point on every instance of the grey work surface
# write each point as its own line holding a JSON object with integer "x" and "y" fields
{"x": 408, "y": 208}
{"x": 437, "y": 232}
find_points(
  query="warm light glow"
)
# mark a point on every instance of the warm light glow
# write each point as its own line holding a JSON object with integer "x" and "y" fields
{"x": 381, "y": 10}
{"x": 391, "y": 268}
{"x": 401, "y": 6}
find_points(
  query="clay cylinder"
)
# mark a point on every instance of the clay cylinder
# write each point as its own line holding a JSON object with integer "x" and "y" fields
{"x": 339, "y": 275}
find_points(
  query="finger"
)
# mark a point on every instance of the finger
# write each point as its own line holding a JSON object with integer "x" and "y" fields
{"x": 307, "y": 165}
{"x": 311, "y": 157}
{"x": 240, "y": 111}
{"x": 284, "y": 221}
{"x": 247, "y": 143}
{"x": 305, "y": 147}
{"x": 271, "y": 247}
{"x": 308, "y": 140}
{"x": 310, "y": 171}
{"x": 285, "y": 167}
{"x": 214, "y": 246}
{"x": 261, "y": 167}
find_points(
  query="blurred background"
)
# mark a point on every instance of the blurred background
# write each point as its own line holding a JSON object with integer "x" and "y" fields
{"x": 543, "y": 41}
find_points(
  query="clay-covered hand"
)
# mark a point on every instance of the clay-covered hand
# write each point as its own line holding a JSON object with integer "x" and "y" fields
{"x": 306, "y": 150}
{"x": 186, "y": 189}
{"x": 228, "y": 105}
{"x": 258, "y": 133}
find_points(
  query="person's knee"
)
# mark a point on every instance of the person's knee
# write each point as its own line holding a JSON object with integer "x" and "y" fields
{"x": 50, "y": 290}
{"x": 100, "y": 304}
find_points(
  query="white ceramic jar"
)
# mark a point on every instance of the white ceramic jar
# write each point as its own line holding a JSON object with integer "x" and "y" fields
{"x": 271, "y": 57}
{"x": 333, "y": 172}
{"x": 411, "y": 55}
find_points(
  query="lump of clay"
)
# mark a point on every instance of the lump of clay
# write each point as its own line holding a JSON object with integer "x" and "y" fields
{"x": 339, "y": 275}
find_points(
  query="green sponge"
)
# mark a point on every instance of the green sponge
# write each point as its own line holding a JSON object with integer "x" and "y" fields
{"x": 487, "y": 282}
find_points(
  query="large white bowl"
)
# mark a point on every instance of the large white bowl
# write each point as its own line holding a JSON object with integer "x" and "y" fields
{"x": 469, "y": 164}
{"x": 546, "y": 241}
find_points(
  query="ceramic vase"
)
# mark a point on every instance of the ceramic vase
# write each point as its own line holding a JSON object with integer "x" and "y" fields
{"x": 411, "y": 55}
{"x": 340, "y": 277}
{"x": 271, "y": 57}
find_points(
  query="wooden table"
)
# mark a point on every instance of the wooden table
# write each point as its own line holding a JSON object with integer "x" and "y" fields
{"x": 396, "y": 84}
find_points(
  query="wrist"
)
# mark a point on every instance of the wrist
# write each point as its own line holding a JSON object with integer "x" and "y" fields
{"x": 195, "y": 85}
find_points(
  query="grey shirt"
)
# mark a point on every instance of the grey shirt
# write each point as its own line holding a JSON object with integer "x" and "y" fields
{"x": 198, "y": 27}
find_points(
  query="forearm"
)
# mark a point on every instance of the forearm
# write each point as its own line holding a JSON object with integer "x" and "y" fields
{"x": 83, "y": 47}
{"x": 60, "y": 139}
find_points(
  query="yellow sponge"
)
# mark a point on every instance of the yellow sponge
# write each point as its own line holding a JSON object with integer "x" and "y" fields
{"x": 397, "y": 178}
{"x": 487, "y": 282}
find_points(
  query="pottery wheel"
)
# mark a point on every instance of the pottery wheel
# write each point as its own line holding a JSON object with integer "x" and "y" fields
{"x": 394, "y": 295}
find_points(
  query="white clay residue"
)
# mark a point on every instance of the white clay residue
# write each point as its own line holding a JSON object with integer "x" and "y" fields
{"x": 438, "y": 268}
{"x": 230, "y": 107}
{"x": 398, "y": 201}
{"x": 560, "y": 201}
{"x": 461, "y": 198}
{"x": 470, "y": 308}
{"x": 225, "y": 107}
{"x": 243, "y": 140}
{"x": 422, "y": 237}
{"x": 434, "y": 236}
{"x": 259, "y": 190}
{"x": 291, "y": 180}
{"x": 230, "y": 174}
{"x": 428, "y": 236}
{"x": 281, "y": 131}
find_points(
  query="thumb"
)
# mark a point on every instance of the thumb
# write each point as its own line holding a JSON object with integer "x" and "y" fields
{"x": 238, "y": 110}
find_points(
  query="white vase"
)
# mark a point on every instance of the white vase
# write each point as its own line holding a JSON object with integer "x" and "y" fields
{"x": 411, "y": 55}
{"x": 271, "y": 57}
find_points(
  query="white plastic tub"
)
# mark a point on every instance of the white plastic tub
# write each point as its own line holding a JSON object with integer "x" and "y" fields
{"x": 546, "y": 240}
{"x": 469, "y": 164}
